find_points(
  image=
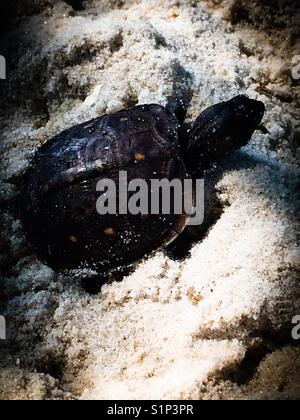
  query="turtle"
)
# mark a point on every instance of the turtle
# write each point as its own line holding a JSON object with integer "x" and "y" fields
{"x": 59, "y": 193}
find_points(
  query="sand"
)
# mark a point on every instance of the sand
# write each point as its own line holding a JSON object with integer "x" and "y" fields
{"x": 215, "y": 324}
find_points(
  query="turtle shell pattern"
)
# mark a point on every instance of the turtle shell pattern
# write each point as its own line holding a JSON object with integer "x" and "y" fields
{"x": 58, "y": 202}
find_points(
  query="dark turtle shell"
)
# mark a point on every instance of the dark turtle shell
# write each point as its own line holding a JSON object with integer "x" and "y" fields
{"x": 58, "y": 202}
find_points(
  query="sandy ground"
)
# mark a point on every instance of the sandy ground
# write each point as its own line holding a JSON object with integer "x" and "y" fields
{"x": 216, "y": 323}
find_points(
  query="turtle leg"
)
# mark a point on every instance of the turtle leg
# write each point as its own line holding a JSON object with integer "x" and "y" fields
{"x": 93, "y": 284}
{"x": 177, "y": 106}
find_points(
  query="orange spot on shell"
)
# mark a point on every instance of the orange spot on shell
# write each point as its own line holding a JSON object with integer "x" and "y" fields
{"x": 110, "y": 231}
{"x": 139, "y": 156}
{"x": 73, "y": 238}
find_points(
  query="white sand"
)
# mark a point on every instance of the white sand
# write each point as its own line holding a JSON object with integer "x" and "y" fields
{"x": 216, "y": 325}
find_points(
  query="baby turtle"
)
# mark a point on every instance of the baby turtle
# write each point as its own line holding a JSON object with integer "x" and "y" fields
{"x": 58, "y": 202}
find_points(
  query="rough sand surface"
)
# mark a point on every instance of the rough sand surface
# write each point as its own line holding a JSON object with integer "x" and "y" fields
{"x": 216, "y": 324}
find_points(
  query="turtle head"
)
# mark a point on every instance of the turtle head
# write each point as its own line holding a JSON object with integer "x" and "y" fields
{"x": 222, "y": 129}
